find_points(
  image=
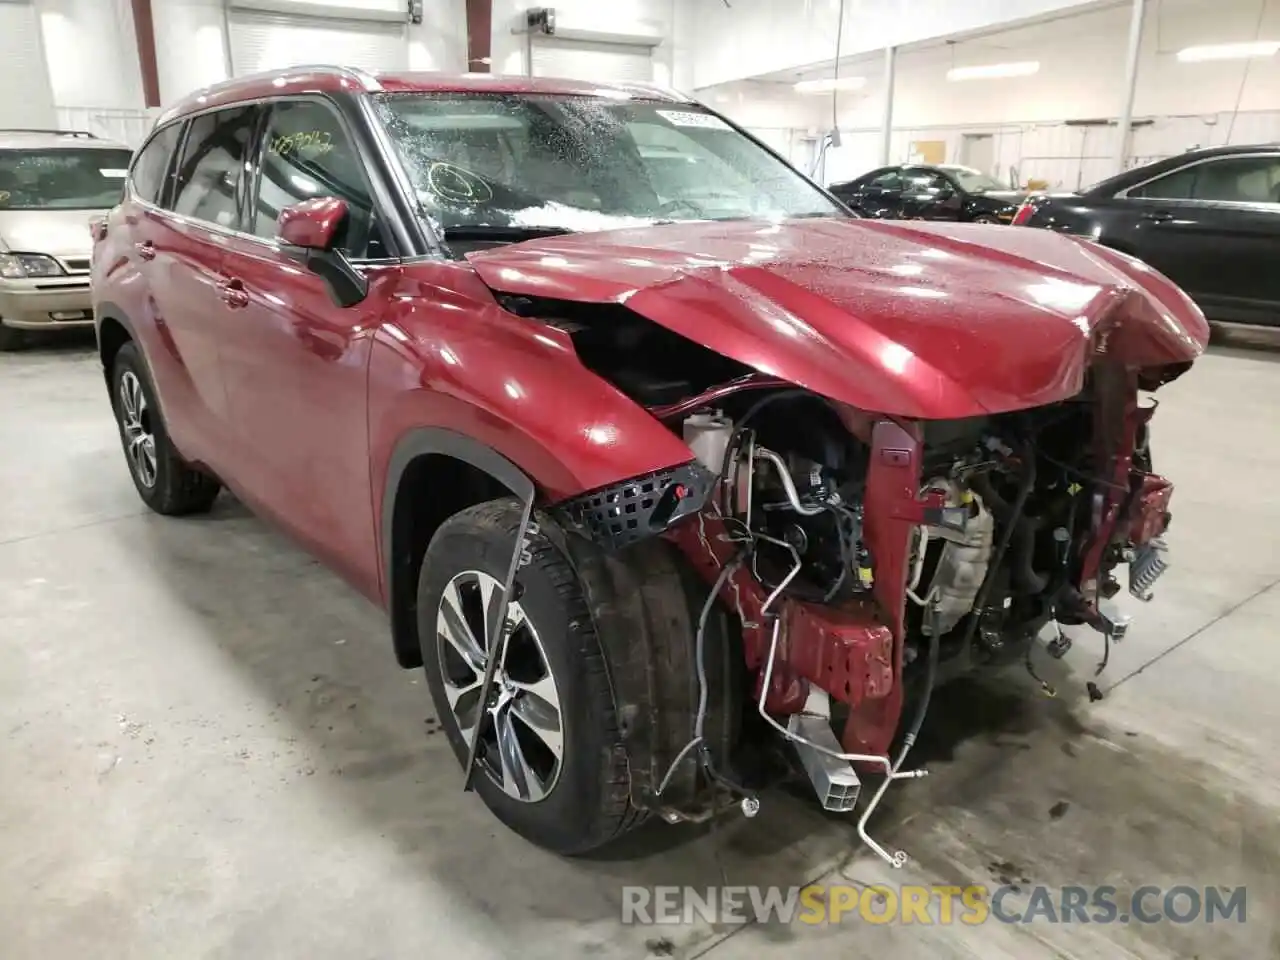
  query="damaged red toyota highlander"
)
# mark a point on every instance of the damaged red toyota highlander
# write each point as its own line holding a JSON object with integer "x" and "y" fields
{"x": 655, "y": 456}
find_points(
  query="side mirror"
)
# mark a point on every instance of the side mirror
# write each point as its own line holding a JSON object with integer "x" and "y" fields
{"x": 315, "y": 229}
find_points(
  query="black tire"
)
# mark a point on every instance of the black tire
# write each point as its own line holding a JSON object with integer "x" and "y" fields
{"x": 985, "y": 218}
{"x": 11, "y": 338}
{"x": 175, "y": 488}
{"x": 589, "y": 803}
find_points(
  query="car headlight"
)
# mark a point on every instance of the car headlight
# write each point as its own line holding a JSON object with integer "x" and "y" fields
{"x": 18, "y": 266}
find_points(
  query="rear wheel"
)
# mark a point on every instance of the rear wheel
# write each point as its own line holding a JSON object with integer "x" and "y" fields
{"x": 985, "y": 218}
{"x": 550, "y": 762}
{"x": 164, "y": 481}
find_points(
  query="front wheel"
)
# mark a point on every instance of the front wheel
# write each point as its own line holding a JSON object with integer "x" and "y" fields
{"x": 163, "y": 480}
{"x": 550, "y": 764}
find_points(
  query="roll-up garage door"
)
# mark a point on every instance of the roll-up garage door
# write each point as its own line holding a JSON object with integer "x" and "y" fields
{"x": 268, "y": 41}
{"x": 596, "y": 62}
{"x": 28, "y": 97}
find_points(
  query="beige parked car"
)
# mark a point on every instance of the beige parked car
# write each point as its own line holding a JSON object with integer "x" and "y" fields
{"x": 52, "y": 183}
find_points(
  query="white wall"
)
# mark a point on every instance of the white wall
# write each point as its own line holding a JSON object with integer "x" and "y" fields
{"x": 508, "y": 49}
{"x": 1081, "y": 77}
{"x": 91, "y": 52}
{"x": 752, "y": 37}
{"x": 191, "y": 47}
{"x": 191, "y": 38}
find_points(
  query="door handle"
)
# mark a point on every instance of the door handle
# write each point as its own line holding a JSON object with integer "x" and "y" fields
{"x": 1160, "y": 216}
{"x": 233, "y": 293}
{"x": 146, "y": 250}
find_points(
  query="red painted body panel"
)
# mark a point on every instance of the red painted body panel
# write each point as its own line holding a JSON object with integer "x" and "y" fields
{"x": 295, "y": 369}
{"x": 311, "y": 224}
{"x": 935, "y": 321}
{"x": 150, "y": 265}
{"x": 446, "y": 355}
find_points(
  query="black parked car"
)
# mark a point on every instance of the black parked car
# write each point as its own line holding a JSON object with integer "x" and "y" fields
{"x": 929, "y": 192}
{"x": 1208, "y": 219}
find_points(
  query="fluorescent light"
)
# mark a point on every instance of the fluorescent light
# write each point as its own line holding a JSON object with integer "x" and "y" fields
{"x": 1229, "y": 51}
{"x": 987, "y": 71}
{"x": 829, "y": 84}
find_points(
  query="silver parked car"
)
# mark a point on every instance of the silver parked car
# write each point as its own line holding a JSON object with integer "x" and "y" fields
{"x": 52, "y": 184}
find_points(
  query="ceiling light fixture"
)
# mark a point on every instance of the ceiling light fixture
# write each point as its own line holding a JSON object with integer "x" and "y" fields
{"x": 1229, "y": 51}
{"x": 990, "y": 71}
{"x": 828, "y": 84}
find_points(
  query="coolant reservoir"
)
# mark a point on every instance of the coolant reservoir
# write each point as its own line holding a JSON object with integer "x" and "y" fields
{"x": 707, "y": 435}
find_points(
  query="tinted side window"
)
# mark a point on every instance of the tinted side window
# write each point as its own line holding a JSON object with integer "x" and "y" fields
{"x": 889, "y": 180}
{"x": 152, "y": 165}
{"x": 1172, "y": 186}
{"x": 306, "y": 153}
{"x": 208, "y": 175}
{"x": 1240, "y": 179}
{"x": 924, "y": 182}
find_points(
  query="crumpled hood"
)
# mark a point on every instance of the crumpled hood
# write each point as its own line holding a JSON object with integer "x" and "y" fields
{"x": 910, "y": 318}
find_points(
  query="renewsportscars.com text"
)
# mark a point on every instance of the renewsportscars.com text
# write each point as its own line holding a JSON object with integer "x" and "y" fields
{"x": 937, "y": 904}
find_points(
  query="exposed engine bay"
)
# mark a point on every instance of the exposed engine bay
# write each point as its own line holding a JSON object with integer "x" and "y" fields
{"x": 996, "y": 554}
{"x": 865, "y": 558}
{"x": 1007, "y": 513}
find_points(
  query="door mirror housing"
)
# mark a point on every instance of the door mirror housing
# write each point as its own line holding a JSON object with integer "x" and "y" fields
{"x": 315, "y": 229}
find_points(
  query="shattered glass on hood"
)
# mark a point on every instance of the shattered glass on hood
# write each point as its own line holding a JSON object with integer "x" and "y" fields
{"x": 585, "y": 163}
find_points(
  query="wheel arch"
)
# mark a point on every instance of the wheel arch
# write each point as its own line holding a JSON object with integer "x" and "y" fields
{"x": 432, "y": 474}
{"x": 113, "y": 330}
{"x": 644, "y": 604}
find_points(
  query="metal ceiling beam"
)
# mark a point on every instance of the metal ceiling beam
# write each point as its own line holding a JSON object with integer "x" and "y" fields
{"x": 144, "y": 32}
{"x": 479, "y": 35}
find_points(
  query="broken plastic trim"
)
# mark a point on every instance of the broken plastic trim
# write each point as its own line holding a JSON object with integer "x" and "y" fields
{"x": 631, "y": 510}
{"x": 501, "y": 628}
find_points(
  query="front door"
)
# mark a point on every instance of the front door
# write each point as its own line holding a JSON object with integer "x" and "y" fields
{"x": 929, "y": 195}
{"x": 294, "y": 362}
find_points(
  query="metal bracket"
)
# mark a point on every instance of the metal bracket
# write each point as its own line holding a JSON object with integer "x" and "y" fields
{"x": 519, "y": 557}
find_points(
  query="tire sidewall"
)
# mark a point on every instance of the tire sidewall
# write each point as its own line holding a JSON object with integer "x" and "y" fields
{"x": 569, "y": 818}
{"x": 129, "y": 359}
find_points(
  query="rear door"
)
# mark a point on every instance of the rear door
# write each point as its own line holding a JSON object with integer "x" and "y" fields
{"x": 296, "y": 363}
{"x": 179, "y": 241}
{"x": 1214, "y": 228}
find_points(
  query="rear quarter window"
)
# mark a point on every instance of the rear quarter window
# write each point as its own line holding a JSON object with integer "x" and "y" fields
{"x": 151, "y": 169}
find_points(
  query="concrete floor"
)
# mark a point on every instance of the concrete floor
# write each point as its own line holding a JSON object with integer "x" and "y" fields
{"x": 209, "y": 752}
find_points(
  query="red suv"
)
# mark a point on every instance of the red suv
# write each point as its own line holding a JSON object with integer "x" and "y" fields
{"x": 655, "y": 455}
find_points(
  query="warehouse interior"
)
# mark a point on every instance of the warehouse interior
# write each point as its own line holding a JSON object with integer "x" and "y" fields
{"x": 210, "y": 751}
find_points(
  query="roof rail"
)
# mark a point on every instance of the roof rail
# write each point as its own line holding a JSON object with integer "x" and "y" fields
{"x": 84, "y": 134}
{"x": 363, "y": 77}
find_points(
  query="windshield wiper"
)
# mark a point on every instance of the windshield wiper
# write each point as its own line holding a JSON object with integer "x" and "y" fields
{"x": 513, "y": 234}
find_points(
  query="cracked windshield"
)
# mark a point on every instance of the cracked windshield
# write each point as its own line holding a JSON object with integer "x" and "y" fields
{"x": 506, "y": 163}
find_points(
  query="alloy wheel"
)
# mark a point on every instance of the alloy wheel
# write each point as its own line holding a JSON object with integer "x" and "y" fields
{"x": 521, "y": 725}
{"x": 139, "y": 437}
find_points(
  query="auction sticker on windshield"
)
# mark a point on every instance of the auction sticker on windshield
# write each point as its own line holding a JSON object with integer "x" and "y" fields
{"x": 688, "y": 118}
